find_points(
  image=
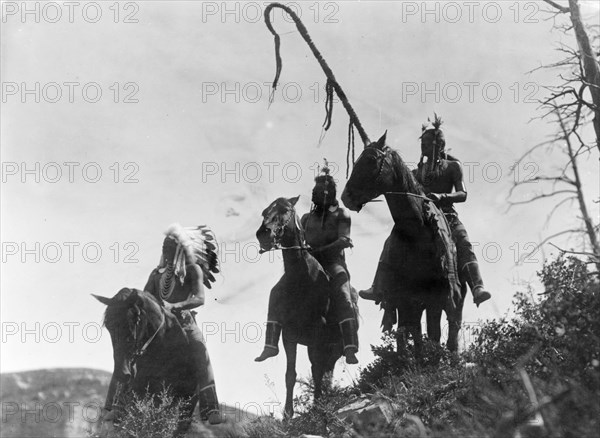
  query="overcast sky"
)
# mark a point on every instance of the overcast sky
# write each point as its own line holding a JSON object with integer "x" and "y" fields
{"x": 121, "y": 118}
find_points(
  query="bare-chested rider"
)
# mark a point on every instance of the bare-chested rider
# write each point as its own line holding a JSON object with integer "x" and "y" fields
{"x": 441, "y": 177}
{"x": 327, "y": 231}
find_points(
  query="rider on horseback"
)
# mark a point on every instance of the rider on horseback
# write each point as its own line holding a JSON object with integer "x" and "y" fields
{"x": 441, "y": 177}
{"x": 178, "y": 283}
{"x": 327, "y": 231}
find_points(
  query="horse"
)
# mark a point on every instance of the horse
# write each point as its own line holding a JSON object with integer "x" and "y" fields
{"x": 422, "y": 275}
{"x": 150, "y": 350}
{"x": 304, "y": 307}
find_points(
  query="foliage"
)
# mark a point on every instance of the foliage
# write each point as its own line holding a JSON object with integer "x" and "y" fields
{"x": 318, "y": 417}
{"x": 389, "y": 363}
{"x": 550, "y": 345}
{"x": 151, "y": 416}
{"x": 563, "y": 326}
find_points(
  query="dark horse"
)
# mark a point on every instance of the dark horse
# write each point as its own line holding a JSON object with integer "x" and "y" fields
{"x": 150, "y": 349}
{"x": 305, "y": 304}
{"x": 422, "y": 273}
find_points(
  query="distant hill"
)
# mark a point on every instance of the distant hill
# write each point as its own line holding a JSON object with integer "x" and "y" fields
{"x": 64, "y": 402}
{"x": 51, "y": 403}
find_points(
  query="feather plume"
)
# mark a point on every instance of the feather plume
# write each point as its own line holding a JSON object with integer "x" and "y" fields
{"x": 437, "y": 121}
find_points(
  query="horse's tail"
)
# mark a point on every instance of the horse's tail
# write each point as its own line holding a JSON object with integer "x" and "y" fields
{"x": 331, "y": 81}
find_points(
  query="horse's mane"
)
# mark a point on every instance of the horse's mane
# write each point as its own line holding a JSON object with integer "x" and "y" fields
{"x": 113, "y": 315}
{"x": 403, "y": 173}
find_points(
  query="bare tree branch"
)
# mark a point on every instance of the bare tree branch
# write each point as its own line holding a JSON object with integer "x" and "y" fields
{"x": 562, "y": 9}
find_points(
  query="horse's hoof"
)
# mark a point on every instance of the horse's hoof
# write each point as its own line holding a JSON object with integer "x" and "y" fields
{"x": 215, "y": 417}
{"x": 108, "y": 415}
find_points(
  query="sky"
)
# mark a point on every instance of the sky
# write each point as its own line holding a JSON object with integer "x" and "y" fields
{"x": 119, "y": 119}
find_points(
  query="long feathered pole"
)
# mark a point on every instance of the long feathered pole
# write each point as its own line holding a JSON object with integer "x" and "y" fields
{"x": 328, "y": 72}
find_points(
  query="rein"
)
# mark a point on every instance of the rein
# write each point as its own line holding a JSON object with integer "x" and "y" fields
{"x": 277, "y": 248}
{"x": 409, "y": 194}
{"x": 140, "y": 352}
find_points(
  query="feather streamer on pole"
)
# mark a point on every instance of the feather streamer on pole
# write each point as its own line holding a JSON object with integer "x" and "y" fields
{"x": 332, "y": 84}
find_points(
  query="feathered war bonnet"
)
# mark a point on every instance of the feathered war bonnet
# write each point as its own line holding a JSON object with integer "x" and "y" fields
{"x": 190, "y": 245}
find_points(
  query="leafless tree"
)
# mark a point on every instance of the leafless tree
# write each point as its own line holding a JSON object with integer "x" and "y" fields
{"x": 571, "y": 105}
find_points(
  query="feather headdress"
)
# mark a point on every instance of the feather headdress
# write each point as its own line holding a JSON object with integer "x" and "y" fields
{"x": 194, "y": 245}
{"x": 425, "y": 173}
{"x": 435, "y": 125}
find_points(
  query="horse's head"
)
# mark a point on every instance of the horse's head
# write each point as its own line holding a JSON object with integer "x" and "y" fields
{"x": 378, "y": 170}
{"x": 279, "y": 226}
{"x": 133, "y": 318}
{"x": 368, "y": 179}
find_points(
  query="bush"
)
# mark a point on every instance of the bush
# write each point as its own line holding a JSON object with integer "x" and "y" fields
{"x": 550, "y": 346}
{"x": 151, "y": 416}
{"x": 555, "y": 340}
{"x": 561, "y": 331}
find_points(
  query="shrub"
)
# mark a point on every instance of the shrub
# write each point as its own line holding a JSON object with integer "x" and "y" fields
{"x": 151, "y": 416}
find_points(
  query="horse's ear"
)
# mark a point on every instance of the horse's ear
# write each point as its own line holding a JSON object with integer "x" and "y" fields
{"x": 381, "y": 142}
{"x": 103, "y": 300}
{"x": 294, "y": 200}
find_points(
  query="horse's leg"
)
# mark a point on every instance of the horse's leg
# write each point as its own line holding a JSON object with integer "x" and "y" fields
{"x": 401, "y": 339}
{"x": 434, "y": 316}
{"x": 455, "y": 321}
{"x": 290, "y": 377}
{"x": 417, "y": 335}
{"x": 315, "y": 355}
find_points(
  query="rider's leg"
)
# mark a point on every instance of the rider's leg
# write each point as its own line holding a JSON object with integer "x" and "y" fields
{"x": 468, "y": 266}
{"x": 273, "y": 332}
{"x": 341, "y": 295}
{"x": 207, "y": 393}
{"x": 375, "y": 293}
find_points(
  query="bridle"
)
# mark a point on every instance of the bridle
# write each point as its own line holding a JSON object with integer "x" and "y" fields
{"x": 383, "y": 156}
{"x": 279, "y": 231}
{"x": 140, "y": 351}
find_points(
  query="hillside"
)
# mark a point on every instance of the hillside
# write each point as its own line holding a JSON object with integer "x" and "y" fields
{"x": 62, "y": 403}
{"x": 51, "y": 403}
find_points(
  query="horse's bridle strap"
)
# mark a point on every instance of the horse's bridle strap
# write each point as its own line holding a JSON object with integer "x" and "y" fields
{"x": 142, "y": 350}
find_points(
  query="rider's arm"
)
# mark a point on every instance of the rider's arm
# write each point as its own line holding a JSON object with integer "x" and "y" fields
{"x": 193, "y": 281}
{"x": 460, "y": 192}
